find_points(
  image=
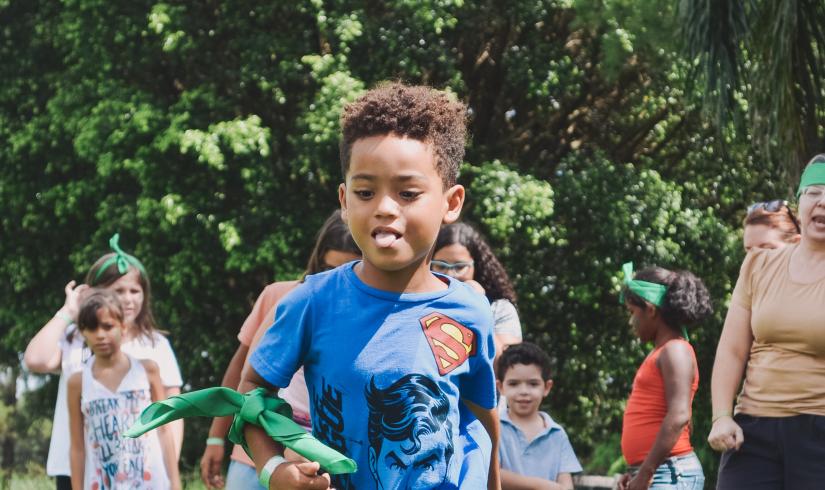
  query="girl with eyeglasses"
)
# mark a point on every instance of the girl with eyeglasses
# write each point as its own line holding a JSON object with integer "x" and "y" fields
{"x": 461, "y": 252}
{"x": 772, "y": 434}
{"x": 770, "y": 224}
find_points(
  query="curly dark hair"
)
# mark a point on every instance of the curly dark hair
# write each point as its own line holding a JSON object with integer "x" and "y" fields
{"x": 525, "y": 353}
{"x": 419, "y": 112}
{"x": 488, "y": 270}
{"x": 686, "y": 302}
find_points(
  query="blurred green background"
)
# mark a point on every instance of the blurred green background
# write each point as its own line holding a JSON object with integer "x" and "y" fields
{"x": 206, "y": 134}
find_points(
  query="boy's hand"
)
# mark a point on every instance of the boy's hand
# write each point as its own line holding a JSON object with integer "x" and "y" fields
{"x": 211, "y": 464}
{"x": 288, "y": 476}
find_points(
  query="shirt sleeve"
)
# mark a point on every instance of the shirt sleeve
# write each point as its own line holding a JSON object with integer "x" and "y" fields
{"x": 505, "y": 319}
{"x": 165, "y": 358}
{"x": 479, "y": 384}
{"x": 283, "y": 347}
{"x": 568, "y": 463}
{"x": 743, "y": 291}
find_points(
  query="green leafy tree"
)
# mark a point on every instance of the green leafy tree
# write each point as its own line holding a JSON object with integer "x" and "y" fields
{"x": 206, "y": 133}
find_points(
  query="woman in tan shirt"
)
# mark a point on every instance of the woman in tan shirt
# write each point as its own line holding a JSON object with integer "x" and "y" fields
{"x": 774, "y": 335}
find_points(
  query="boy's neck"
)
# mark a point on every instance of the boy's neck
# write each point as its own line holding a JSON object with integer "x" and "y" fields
{"x": 529, "y": 424}
{"x": 415, "y": 278}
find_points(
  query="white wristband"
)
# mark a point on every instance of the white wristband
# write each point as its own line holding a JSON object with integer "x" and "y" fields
{"x": 268, "y": 469}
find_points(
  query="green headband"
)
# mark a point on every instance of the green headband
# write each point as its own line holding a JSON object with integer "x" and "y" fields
{"x": 121, "y": 258}
{"x": 813, "y": 175}
{"x": 649, "y": 291}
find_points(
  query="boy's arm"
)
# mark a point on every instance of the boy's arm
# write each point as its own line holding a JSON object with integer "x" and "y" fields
{"x": 78, "y": 442}
{"x": 514, "y": 481}
{"x": 287, "y": 475}
{"x": 489, "y": 419}
{"x": 167, "y": 444}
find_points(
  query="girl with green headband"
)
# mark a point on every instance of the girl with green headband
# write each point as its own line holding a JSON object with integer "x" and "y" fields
{"x": 58, "y": 347}
{"x": 768, "y": 382}
{"x": 656, "y": 424}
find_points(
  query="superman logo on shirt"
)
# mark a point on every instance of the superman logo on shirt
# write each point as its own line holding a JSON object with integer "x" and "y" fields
{"x": 451, "y": 342}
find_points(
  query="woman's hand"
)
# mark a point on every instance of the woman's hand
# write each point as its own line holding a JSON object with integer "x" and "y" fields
{"x": 73, "y": 295}
{"x": 726, "y": 434}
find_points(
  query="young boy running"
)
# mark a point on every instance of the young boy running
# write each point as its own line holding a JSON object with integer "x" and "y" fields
{"x": 393, "y": 354}
{"x": 535, "y": 451}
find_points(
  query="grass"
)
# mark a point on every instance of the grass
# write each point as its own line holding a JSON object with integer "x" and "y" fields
{"x": 191, "y": 481}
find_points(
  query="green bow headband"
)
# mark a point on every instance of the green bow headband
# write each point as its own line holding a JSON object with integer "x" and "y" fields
{"x": 121, "y": 258}
{"x": 814, "y": 174}
{"x": 258, "y": 407}
{"x": 649, "y": 291}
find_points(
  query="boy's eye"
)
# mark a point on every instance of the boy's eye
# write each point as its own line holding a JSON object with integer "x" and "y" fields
{"x": 409, "y": 195}
{"x": 363, "y": 194}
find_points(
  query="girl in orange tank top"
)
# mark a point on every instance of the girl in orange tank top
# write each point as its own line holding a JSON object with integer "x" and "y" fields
{"x": 656, "y": 424}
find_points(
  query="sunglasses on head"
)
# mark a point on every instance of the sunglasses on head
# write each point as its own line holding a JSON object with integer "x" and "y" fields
{"x": 774, "y": 207}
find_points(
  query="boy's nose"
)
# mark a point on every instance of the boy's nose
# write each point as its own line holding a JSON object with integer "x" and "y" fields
{"x": 386, "y": 206}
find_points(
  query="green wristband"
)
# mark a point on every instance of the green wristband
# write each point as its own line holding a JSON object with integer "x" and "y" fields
{"x": 214, "y": 441}
{"x": 268, "y": 469}
{"x": 65, "y": 317}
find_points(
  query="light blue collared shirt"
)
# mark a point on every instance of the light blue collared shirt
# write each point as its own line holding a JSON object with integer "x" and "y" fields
{"x": 549, "y": 454}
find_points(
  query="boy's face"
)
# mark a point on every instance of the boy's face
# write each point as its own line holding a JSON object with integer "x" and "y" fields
{"x": 394, "y": 201}
{"x": 107, "y": 337}
{"x": 524, "y": 389}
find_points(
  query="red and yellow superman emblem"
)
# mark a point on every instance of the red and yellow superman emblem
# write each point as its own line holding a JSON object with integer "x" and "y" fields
{"x": 451, "y": 342}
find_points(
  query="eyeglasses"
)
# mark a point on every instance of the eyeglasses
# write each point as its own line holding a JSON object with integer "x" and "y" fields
{"x": 450, "y": 267}
{"x": 774, "y": 207}
{"x": 813, "y": 192}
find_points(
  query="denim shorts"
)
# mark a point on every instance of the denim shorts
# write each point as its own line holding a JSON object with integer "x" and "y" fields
{"x": 241, "y": 476}
{"x": 678, "y": 473}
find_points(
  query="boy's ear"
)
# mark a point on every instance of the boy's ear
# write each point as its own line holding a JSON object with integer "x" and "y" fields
{"x": 342, "y": 198}
{"x": 498, "y": 385}
{"x": 548, "y": 385}
{"x": 455, "y": 201}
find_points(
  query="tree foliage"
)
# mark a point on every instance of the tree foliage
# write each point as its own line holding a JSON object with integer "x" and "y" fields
{"x": 206, "y": 134}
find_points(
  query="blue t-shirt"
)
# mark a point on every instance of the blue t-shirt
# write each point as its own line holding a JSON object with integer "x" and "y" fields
{"x": 385, "y": 373}
{"x": 547, "y": 455}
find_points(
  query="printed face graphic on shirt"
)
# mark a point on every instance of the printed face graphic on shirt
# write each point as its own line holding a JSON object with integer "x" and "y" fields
{"x": 451, "y": 342}
{"x": 409, "y": 433}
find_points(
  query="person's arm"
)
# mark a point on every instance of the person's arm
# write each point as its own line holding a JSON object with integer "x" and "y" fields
{"x": 77, "y": 453}
{"x": 514, "y": 481}
{"x": 212, "y": 459}
{"x": 167, "y": 445}
{"x": 288, "y": 475}
{"x": 175, "y": 426}
{"x": 728, "y": 368}
{"x": 489, "y": 419}
{"x": 677, "y": 367}
{"x": 43, "y": 354}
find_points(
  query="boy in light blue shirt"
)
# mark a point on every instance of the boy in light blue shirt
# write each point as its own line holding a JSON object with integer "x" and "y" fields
{"x": 397, "y": 360}
{"x": 534, "y": 450}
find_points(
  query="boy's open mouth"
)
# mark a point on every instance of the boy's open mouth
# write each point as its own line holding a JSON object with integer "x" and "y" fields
{"x": 384, "y": 237}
